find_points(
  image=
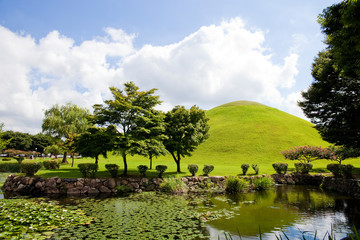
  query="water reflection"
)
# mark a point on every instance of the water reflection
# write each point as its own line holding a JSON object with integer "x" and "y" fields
{"x": 293, "y": 209}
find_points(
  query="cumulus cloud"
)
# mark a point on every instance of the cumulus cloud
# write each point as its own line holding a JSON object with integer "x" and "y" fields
{"x": 214, "y": 65}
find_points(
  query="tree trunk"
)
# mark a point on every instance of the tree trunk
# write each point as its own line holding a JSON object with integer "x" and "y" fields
{"x": 150, "y": 157}
{"x": 96, "y": 160}
{"x": 72, "y": 159}
{"x": 177, "y": 161}
{"x": 64, "y": 158}
{"x": 125, "y": 164}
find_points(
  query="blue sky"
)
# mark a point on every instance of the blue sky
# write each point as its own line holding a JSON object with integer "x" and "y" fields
{"x": 195, "y": 52}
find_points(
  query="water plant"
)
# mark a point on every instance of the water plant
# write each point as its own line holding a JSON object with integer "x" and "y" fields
{"x": 113, "y": 169}
{"x": 263, "y": 183}
{"x": 244, "y": 168}
{"x": 235, "y": 184}
{"x": 207, "y": 169}
{"x": 18, "y": 218}
{"x": 142, "y": 170}
{"x": 193, "y": 168}
{"x": 160, "y": 169}
{"x": 30, "y": 168}
{"x": 173, "y": 185}
{"x": 280, "y": 168}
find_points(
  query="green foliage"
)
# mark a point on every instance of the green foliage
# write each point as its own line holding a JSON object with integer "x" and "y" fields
{"x": 30, "y": 168}
{"x": 244, "y": 168}
{"x": 113, "y": 169}
{"x": 17, "y": 217}
{"x": 161, "y": 169}
{"x": 142, "y": 169}
{"x": 19, "y": 159}
{"x": 10, "y": 167}
{"x": 347, "y": 170}
{"x": 280, "y": 168}
{"x": 256, "y": 168}
{"x": 207, "y": 169}
{"x": 18, "y": 140}
{"x": 185, "y": 131}
{"x": 343, "y": 153}
{"x": 3, "y": 142}
{"x": 307, "y": 154}
{"x": 173, "y": 185}
{"x": 263, "y": 183}
{"x": 128, "y": 112}
{"x": 88, "y": 169}
{"x": 51, "y": 164}
{"x": 193, "y": 169}
{"x": 235, "y": 185}
{"x": 123, "y": 190}
{"x": 334, "y": 169}
{"x": 303, "y": 167}
{"x": 52, "y": 150}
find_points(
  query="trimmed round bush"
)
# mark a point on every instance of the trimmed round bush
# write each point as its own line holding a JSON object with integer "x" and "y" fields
{"x": 6, "y": 159}
{"x": 346, "y": 170}
{"x": 51, "y": 164}
{"x": 112, "y": 169}
{"x": 10, "y": 167}
{"x": 193, "y": 168}
{"x": 244, "y": 168}
{"x": 142, "y": 169}
{"x": 161, "y": 169}
{"x": 280, "y": 168}
{"x": 207, "y": 169}
{"x": 235, "y": 184}
{"x": 256, "y": 168}
{"x": 335, "y": 169}
{"x": 88, "y": 169}
{"x": 303, "y": 167}
{"x": 30, "y": 168}
{"x": 19, "y": 159}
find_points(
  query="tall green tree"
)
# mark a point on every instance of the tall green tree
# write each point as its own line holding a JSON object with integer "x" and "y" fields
{"x": 3, "y": 142}
{"x": 40, "y": 141}
{"x": 66, "y": 120}
{"x": 124, "y": 111}
{"x": 332, "y": 102}
{"x": 19, "y": 140}
{"x": 186, "y": 129}
{"x": 95, "y": 142}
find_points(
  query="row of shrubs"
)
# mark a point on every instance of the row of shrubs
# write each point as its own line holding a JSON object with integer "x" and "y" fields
{"x": 29, "y": 168}
{"x": 336, "y": 169}
{"x": 245, "y": 168}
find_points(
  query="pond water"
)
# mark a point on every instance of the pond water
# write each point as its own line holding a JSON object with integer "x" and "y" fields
{"x": 296, "y": 210}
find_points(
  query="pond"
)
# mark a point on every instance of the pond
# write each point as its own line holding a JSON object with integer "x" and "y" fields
{"x": 296, "y": 210}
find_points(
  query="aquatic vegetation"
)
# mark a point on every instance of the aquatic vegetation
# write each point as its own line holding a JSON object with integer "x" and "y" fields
{"x": 263, "y": 183}
{"x": 18, "y": 218}
{"x": 235, "y": 185}
{"x": 173, "y": 185}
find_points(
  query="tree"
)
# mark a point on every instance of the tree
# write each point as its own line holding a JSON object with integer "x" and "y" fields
{"x": 95, "y": 141}
{"x": 307, "y": 154}
{"x": 3, "y": 142}
{"x": 41, "y": 141}
{"x": 125, "y": 112}
{"x": 341, "y": 24}
{"x": 150, "y": 135}
{"x": 62, "y": 121}
{"x": 18, "y": 140}
{"x": 53, "y": 150}
{"x": 186, "y": 129}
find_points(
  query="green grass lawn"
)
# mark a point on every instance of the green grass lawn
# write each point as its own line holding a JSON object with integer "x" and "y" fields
{"x": 240, "y": 132}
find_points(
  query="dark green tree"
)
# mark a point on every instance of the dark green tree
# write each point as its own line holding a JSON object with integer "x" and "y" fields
{"x": 125, "y": 111}
{"x": 40, "y": 141}
{"x": 19, "y": 140}
{"x": 63, "y": 121}
{"x": 53, "y": 150}
{"x": 3, "y": 142}
{"x": 95, "y": 142}
{"x": 185, "y": 129}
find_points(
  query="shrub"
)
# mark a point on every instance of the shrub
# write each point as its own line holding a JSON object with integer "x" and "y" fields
{"x": 263, "y": 183}
{"x": 123, "y": 190}
{"x": 88, "y": 169}
{"x": 52, "y": 164}
{"x": 307, "y": 154}
{"x": 30, "y": 168}
{"x": 161, "y": 169}
{"x": 208, "y": 169}
{"x": 6, "y": 159}
{"x": 10, "y": 167}
{"x": 346, "y": 170}
{"x": 335, "y": 169}
{"x": 113, "y": 169}
{"x": 142, "y": 169}
{"x": 193, "y": 168}
{"x": 256, "y": 168}
{"x": 303, "y": 167}
{"x": 244, "y": 168}
{"x": 280, "y": 168}
{"x": 173, "y": 185}
{"x": 235, "y": 184}
{"x": 19, "y": 159}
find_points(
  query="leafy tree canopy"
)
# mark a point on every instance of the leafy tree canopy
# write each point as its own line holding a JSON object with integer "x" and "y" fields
{"x": 18, "y": 140}
{"x": 3, "y": 142}
{"x": 186, "y": 129}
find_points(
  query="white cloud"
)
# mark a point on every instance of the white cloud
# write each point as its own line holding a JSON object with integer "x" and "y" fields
{"x": 215, "y": 65}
